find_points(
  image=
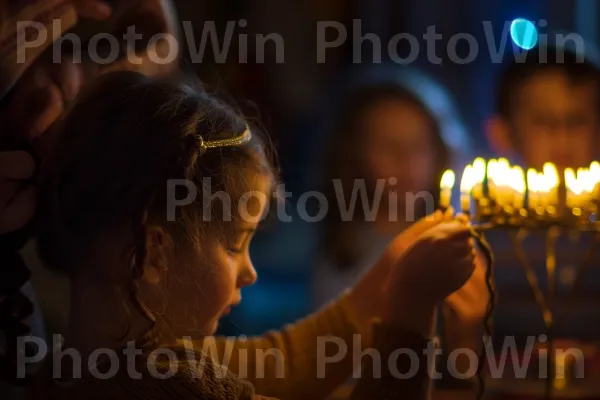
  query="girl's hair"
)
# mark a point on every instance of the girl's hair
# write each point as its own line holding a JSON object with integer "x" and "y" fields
{"x": 127, "y": 150}
{"x": 342, "y": 244}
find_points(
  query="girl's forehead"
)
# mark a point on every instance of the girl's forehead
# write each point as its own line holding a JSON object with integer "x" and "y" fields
{"x": 253, "y": 204}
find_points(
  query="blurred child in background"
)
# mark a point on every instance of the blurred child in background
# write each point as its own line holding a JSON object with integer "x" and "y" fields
{"x": 392, "y": 140}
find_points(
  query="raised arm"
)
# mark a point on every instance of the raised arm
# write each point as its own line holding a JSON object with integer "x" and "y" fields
{"x": 306, "y": 360}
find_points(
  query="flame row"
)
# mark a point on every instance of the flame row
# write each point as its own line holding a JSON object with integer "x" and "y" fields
{"x": 507, "y": 184}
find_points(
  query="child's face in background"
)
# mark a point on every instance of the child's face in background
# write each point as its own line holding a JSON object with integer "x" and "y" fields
{"x": 398, "y": 143}
{"x": 214, "y": 273}
{"x": 556, "y": 120}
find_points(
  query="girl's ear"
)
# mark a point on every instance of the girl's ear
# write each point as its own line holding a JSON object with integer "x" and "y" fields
{"x": 158, "y": 248}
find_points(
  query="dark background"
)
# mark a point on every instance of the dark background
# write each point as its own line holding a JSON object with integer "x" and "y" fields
{"x": 291, "y": 99}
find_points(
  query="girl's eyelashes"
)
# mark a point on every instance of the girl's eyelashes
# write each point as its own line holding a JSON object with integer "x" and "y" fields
{"x": 240, "y": 242}
{"x": 235, "y": 251}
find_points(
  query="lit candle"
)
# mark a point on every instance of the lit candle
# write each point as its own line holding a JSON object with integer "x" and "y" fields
{"x": 595, "y": 178}
{"x": 532, "y": 189}
{"x": 545, "y": 185}
{"x": 584, "y": 181}
{"x": 466, "y": 185}
{"x": 503, "y": 173}
{"x": 492, "y": 173}
{"x": 448, "y": 179}
{"x": 478, "y": 177}
{"x": 551, "y": 173}
{"x": 518, "y": 186}
{"x": 571, "y": 186}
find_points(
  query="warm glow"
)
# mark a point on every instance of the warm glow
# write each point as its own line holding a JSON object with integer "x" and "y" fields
{"x": 503, "y": 173}
{"x": 571, "y": 181}
{"x": 594, "y": 174}
{"x": 586, "y": 180}
{"x": 478, "y": 170}
{"x": 448, "y": 179}
{"x": 467, "y": 182}
{"x": 518, "y": 179}
{"x": 503, "y": 162}
{"x": 492, "y": 171}
{"x": 551, "y": 173}
{"x": 545, "y": 182}
{"x": 532, "y": 180}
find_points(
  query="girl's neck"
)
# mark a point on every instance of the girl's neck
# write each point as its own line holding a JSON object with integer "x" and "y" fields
{"x": 101, "y": 317}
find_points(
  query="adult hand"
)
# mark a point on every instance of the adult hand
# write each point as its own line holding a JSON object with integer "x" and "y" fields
{"x": 439, "y": 263}
{"x": 17, "y": 202}
{"x": 93, "y": 9}
{"x": 41, "y": 96}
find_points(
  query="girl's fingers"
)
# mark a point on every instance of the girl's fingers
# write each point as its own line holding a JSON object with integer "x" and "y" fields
{"x": 462, "y": 218}
{"x": 449, "y": 214}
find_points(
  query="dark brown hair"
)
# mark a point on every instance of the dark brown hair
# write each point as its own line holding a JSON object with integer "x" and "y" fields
{"x": 577, "y": 68}
{"x": 341, "y": 242}
{"x": 125, "y": 138}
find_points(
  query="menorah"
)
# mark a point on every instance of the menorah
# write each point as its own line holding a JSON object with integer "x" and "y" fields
{"x": 499, "y": 196}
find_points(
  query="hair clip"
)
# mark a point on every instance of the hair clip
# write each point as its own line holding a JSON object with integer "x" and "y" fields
{"x": 234, "y": 141}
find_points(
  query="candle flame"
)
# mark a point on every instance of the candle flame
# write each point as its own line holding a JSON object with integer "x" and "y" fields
{"x": 499, "y": 171}
{"x": 478, "y": 170}
{"x": 448, "y": 179}
{"x": 551, "y": 172}
{"x": 467, "y": 182}
{"x": 594, "y": 174}
{"x": 518, "y": 179}
{"x": 545, "y": 183}
{"x": 532, "y": 180}
{"x": 492, "y": 171}
{"x": 571, "y": 180}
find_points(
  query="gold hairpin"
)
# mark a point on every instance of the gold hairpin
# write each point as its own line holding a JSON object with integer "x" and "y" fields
{"x": 234, "y": 141}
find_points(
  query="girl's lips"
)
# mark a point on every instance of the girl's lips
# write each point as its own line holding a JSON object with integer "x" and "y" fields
{"x": 227, "y": 310}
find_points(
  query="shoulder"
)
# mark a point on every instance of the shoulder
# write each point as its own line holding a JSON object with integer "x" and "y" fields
{"x": 164, "y": 373}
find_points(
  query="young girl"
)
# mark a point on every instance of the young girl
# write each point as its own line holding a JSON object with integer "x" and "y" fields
{"x": 149, "y": 203}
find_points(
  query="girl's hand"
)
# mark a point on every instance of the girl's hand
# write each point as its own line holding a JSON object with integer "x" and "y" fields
{"x": 466, "y": 308}
{"x": 366, "y": 298}
{"x": 440, "y": 262}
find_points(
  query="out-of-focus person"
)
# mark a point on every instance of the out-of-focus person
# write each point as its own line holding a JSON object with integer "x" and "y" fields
{"x": 547, "y": 109}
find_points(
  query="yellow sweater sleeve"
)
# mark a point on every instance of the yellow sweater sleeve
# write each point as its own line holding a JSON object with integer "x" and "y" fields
{"x": 305, "y": 360}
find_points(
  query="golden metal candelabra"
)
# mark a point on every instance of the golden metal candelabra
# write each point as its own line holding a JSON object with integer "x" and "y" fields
{"x": 498, "y": 196}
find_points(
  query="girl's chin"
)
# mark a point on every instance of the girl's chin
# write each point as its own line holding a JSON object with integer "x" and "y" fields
{"x": 212, "y": 328}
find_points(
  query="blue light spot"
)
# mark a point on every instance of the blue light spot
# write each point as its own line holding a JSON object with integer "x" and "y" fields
{"x": 524, "y": 33}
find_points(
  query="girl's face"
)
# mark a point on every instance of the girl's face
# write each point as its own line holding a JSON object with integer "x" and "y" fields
{"x": 398, "y": 143}
{"x": 215, "y": 272}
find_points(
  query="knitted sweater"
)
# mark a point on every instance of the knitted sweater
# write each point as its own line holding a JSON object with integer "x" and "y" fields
{"x": 231, "y": 369}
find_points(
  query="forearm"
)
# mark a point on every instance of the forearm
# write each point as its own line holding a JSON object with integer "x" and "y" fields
{"x": 308, "y": 359}
{"x": 404, "y": 368}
